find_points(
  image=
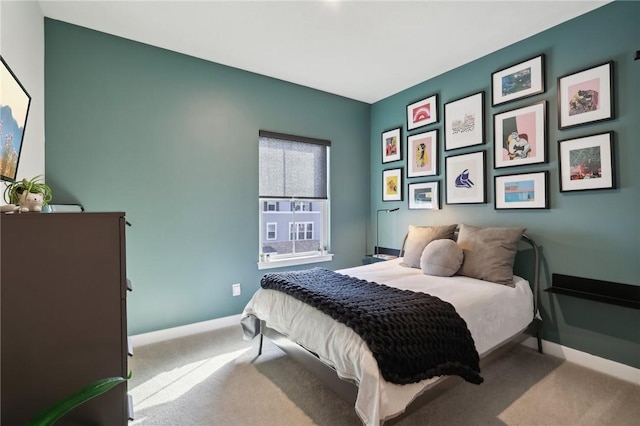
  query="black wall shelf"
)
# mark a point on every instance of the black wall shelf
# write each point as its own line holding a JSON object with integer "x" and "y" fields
{"x": 601, "y": 291}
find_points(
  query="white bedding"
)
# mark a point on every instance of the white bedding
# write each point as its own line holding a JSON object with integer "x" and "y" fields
{"x": 493, "y": 313}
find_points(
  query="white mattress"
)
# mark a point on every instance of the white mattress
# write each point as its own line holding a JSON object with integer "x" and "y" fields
{"x": 494, "y": 313}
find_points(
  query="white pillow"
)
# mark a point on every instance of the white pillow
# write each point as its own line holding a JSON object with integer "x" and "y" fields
{"x": 441, "y": 258}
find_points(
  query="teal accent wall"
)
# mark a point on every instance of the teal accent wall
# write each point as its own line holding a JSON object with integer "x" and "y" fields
{"x": 172, "y": 141}
{"x": 593, "y": 234}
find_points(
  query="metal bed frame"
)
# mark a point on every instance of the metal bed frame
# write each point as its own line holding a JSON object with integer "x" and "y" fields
{"x": 348, "y": 390}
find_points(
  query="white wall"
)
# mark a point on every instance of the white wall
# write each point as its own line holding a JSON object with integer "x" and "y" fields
{"x": 22, "y": 47}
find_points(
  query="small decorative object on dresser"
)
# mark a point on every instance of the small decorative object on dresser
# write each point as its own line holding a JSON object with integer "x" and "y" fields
{"x": 27, "y": 195}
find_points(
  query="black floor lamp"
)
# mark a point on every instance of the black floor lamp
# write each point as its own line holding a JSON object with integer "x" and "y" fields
{"x": 378, "y": 227}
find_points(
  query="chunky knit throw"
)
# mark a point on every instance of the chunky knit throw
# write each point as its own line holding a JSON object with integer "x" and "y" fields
{"x": 413, "y": 336}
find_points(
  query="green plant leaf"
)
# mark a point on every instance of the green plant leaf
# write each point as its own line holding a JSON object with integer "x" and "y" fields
{"x": 13, "y": 190}
{"x": 51, "y": 414}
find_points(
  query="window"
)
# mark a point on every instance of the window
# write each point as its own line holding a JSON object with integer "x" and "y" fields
{"x": 293, "y": 196}
{"x": 300, "y": 231}
{"x": 301, "y": 206}
{"x": 272, "y": 231}
{"x": 270, "y": 206}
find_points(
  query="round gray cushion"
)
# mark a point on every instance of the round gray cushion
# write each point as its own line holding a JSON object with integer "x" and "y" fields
{"x": 442, "y": 258}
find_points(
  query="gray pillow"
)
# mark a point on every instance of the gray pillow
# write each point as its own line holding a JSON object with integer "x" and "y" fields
{"x": 441, "y": 258}
{"x": 489, "y": 253}
{"x": 418, "y": 238}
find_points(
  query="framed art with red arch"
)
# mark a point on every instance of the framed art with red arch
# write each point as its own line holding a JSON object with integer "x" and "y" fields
{"x": 422, "y": 112}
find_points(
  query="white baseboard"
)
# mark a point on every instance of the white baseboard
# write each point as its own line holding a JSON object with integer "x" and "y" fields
{"x": 183, "y": 331}
{"x": 602, "y": 365}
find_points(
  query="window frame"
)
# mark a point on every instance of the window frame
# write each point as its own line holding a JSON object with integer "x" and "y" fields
{"x": 306, "y": 207}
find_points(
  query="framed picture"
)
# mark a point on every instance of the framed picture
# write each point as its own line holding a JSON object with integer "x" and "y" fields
{"x": 424, "y": 196}
{"x": 422, "y": 154}
{"x": 392, "y": 185}
{"x": 391, "y": 149}
{"x": 464, "y": 122}
{"x": 522, "y": 191}
{"x": 518, "y": 81}
{"x": 465, "y": 178}
{"x": 14, "y": 110}
{"x": 586, "y": 163}
{"x": 585, "y": 96}
{"x": 520, "y": 136}
{"x": 422, "y": 112}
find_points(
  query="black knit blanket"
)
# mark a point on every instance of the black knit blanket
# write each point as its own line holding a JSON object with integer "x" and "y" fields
{"x": 413, "y": 336}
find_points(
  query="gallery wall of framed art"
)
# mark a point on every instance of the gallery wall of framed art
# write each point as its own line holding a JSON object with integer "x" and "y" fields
{"x": 520, "y": 139}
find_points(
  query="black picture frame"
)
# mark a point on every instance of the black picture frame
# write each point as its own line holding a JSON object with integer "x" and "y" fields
{"x": 520, "y": 136}
{"x": 392, "y": 184}
{"x": 521, "y": 191}
{"x": 587, "y": 163}
{"x": 464, "y": 122}
{"x": 586, "y": 96}
{"x": 422, "y": 154}
{"x": 424, "y": 196}
{"x": 466, "y": 178}
{"x": 422, "y": 112}
{"x": 15, "y": 114}
{"x": 391, "y": 145}
{"x": 518, "y": 81}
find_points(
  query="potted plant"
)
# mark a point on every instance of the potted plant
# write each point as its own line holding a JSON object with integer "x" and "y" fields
{"x": 19, "y": 192}
{"x": 53, "y": 413}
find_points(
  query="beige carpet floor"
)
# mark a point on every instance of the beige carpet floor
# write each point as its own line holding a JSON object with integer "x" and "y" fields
{"x": 215, "y": 378}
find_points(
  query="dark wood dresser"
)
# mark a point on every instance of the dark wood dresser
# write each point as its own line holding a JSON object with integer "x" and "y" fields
{"x": 63, "y": 314}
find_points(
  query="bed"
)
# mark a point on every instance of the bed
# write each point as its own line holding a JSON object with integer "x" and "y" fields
{"x": 473, "y": 272}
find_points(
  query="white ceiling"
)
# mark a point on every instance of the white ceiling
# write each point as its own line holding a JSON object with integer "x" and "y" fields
{"x": 364, "y": 50}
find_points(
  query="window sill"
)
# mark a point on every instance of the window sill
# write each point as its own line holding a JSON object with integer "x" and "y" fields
{"x": 292, "y": 261}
